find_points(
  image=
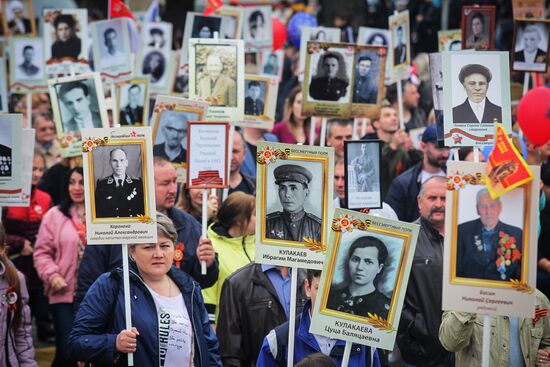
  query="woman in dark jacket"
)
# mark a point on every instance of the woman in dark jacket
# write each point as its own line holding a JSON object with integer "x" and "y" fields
{"x": 170, "y": 322}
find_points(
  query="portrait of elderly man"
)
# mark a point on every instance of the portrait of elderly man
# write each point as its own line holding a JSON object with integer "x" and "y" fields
{"x": 481, "y": 244}
{"x": 113, "y": 55}
{"x": 119, "y": 195}
{"x": 400, "y": 49}
{"x": 173, "y": 125}
{"x": 253, "y": 105}
{"x": 531, "y": 56}
{"x": 27, "y": 68}
{"x": 76, "y": 98}
{"x": 363, "y": 91}
{"x": 477, "y": 108}
{"x": 216, "y": 85}
{"x": 66, "y": 43}
{"x": 478, "y": 37}
{"x": 331, "y": 81}
{"x": 293, "y": 223}
{"x": 18, "y": 23}
{"x": 132, "y": 113}
{"x": 359, "y": 295}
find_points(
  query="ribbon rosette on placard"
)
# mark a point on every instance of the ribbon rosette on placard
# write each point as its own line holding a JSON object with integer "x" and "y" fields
{"x": 88, "y": 145}
{"x": 342, "y": 224}
{"x": 455, "y": 182}
{"x": 163, "y": 106}
{"x": 269, "y": 155}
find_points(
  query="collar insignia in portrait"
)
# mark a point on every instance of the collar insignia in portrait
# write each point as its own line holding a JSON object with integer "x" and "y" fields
{"x": 178, "y": 254}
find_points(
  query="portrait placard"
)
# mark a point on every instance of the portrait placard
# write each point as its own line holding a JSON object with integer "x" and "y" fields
{"x": 158, "y": 65}
{"x": 77, "y": 102}
{"x": 22, "y": 197}
{"x": 294, "y": 198}
{"x": 362, "y": 173}
{"x": 478, "y": 27}
{"x": 490, "y": 245}
{"x": 200, "y": 26}
{"x": 3, "y": 87}
{"x": 257, "y": 31}
{"x": 233, "y": 21}
{"x": 170, "y": 124}
{"x": 328, "y": 79}
{"x": 362, "y": 304}
{"x": 119, "y": 185}
{"x": 65, "y": 33}
{"x": 133, "y": 102}
{"x": 111, "y": 48}
{"x": 476, "y": 90}
{"x": 260, "y": 101}
{"x": 216, "y": 75}
{"x": 273, "y": 63}
{"x": 528, "y": 9}
{"x": 368, "y": 80}
{"x": 377, "y": 37}
{"x": 10, "y": 153}
{"x": 436, "y": 76}
{"x": 400, "y": 45}
{"x": 27, "y": 73}
{"x": 157, "y": 35}
{"x": 319, "y": 34}
{"x": 531, "y": 45}
{"x": 208, "y": 154}
{"x": 18, "y": 18}
{"x": 450, "y": 40}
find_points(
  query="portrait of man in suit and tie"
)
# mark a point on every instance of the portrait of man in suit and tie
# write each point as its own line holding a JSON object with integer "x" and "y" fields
{"x": 476, "y": 79}
{"x": 28, "y": 69}
{"x": 76, "y": 97}
{"x": 400, "y": 49}
{"x": 254, "y": 102}
{"x": 216, "y": 85}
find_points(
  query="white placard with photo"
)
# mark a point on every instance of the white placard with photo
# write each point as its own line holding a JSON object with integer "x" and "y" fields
{"x": 207, "y": 149}
{"x": 260, "y": 101}
{"x": 23, "y": 197}
{"x": 119, "y": 185}
{"x": 27, "y": 74}
{"x": 111, "y": 48}
{"x": 257, "y": 31}
{"x": 10, "y": 153}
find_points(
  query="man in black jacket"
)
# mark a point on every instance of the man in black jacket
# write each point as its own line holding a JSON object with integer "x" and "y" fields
{"x": 418, "y": 332}
{"x": 254, "y": 300}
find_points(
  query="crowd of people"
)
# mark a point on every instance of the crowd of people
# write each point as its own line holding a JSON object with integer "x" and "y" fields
{"x": 237, "y": 313}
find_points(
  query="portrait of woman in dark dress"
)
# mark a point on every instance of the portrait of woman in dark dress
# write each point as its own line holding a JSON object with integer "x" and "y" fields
{"x": 66, "y": 44}
{"x": 359, "y": 294}
{"x": 154, "y": 64}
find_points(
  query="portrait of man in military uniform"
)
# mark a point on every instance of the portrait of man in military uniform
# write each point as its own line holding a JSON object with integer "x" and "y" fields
{"x": 364, "y": 169}
{"x": 118, "y": 195}
{"x": 131, "y": 112}
{"x": 293, "y": 223}
{"x": 254, "y": 102}
{"x": 486, "y": 247}
{"x": 331, "y": 81}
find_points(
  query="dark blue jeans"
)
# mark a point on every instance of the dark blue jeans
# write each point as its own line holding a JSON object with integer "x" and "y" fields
{"x": 62, "y": 315}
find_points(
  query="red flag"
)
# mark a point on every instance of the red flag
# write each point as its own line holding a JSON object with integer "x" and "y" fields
{"x": 506, "y": 168}
{"x": 117, "y": 9}
{"x": 212, "y": 6}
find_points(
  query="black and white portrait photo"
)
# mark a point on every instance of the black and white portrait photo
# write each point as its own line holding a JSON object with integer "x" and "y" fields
{"x": 6, "y": 147}
{"x": 29, "y": 59}
{"x": 254, "y": 102}
{"x": 157, "y": 35}
{"x": 205, "y": 26}
{"x": 133, "y": 98}
{"x": 531, "y": 46}
{"x": 478, "y": 27}
{"x": 376, "y": 37}
{"x": 367, "y": 76}
{"x": 330, "y": 76}
{"x": 252, "y": 61}
{"x": 257, "y": 26}
{"x": 489, "y": 238}
{"x": 118, "y": 178}
{"x": 271, "y": 64}
{"x": 232, "y": 21}
{"x": 216, "y": 77}
{"x": 67, "y": 43}
{"x": 181, "y": 84}
{"x": 294, "y": 200}
{"x": 111, "y": 43}
{"x": 436, "y": 75}
{"x": 18, "y": 17}
{"x": 78, "y": 105}
{"x": 362, "y": 171}
{"x": 365, "y": 273}
{"x": 154, "y": 64}
{"x": 476, "y": 81}
{"x": 170, "y": 135}
{"x": 400, "y": 42}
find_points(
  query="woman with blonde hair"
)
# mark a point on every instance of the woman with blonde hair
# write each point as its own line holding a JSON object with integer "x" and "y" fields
{"x": 232, "y": 235}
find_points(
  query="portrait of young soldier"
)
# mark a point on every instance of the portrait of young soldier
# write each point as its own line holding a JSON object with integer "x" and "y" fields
{"x": 132, "y": 112}
{"x": 253, "y": 103}
{"x": 28, "y": 68}
{"x": 331, "y": 81}
{"x": 364, "y": 91}
{"x": 476, "y": 78}
{"x": 293, "y": 223}
{"x": 400, "y": 49}
{"x": 119, "y": 195}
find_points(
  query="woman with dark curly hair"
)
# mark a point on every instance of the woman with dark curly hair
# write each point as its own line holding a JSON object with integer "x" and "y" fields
{"x": 364, "y": 266}
{"x": 154, "y": 64}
